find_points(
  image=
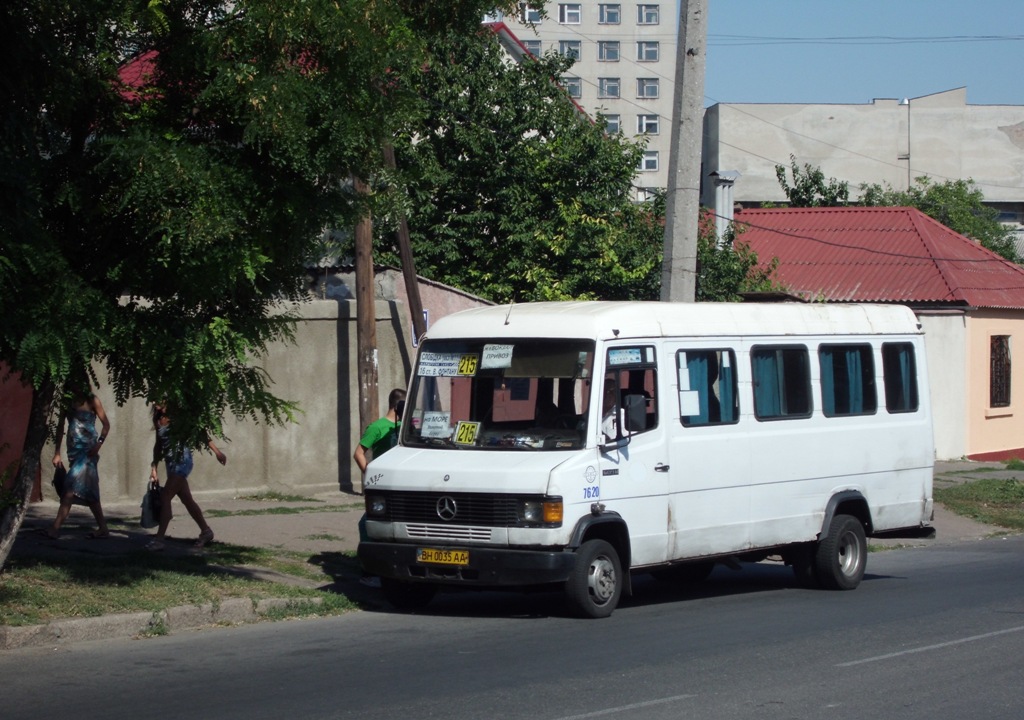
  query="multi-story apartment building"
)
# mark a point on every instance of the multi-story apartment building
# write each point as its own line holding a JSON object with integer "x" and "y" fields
{"x": 625, "y": 68}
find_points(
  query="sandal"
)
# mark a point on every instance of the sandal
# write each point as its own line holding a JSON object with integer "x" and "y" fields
{"x": 205, "y": 538}
{"x": 155, "y": 545}
{"x": 97, "y": 535}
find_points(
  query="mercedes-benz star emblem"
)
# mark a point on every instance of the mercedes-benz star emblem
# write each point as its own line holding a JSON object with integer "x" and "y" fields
{"x": 446, "y": 508}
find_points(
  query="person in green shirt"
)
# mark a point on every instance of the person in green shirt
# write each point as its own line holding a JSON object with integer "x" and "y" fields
{"x": 380, "y": 436}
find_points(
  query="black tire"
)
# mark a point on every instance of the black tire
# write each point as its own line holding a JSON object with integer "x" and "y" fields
{"x": 405, "y": 595}
{"x": 685, "y": 574}
{"x": 595, "y": 585}
{"x": 842, "y": 554}
{"x": 802, "y": 559}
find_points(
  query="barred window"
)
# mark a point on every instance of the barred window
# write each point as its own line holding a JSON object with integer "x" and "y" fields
{"x": 999, "y": 375}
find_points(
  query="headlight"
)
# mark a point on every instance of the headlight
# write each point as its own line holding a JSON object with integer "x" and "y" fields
{"x": 531, "y": 511}
{"x": 540, "y": 512}
{"x": 376, "y": 505}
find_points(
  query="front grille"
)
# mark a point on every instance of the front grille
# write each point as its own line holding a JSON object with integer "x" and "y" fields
{"x": 455, "y": 533}
{"x": 480, "y": 509}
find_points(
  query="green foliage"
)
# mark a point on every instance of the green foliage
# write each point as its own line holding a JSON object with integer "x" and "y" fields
{"x": 726, "y": 269}
{"x": 513, "y": 194}
{"x": 809, "y": 188}
{"x": 159, "y": 223}
{"x": 957, "y": 204}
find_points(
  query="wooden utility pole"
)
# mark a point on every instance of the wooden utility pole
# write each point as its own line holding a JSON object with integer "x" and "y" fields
{"x": 682, "y": 202}
{"x": 412, "y": 287}
{"x": 366, "y": 323}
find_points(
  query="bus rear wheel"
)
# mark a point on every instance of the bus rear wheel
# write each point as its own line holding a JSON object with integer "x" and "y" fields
{"x": 595, "y": 585}
{"x": 842, "y": 554}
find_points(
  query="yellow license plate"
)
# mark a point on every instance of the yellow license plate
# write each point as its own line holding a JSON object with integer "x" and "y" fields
{"x": 442, "y": 557}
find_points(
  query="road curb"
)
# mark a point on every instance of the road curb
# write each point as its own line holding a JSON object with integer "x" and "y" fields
{"x": 231, "y": 611}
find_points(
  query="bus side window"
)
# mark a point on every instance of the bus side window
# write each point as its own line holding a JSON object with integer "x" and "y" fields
{"x": 899, "y": 368}
{"x": 707, "y": 387}
{"x": 782, "y": 382}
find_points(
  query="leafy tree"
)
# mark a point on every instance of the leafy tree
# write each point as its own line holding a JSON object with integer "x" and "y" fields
{"x": 728, "y": 268}
{"x": 809, "y": 188}
{"x": 513, "y": 193}
{"x": 165, "y": 170}
{"x": 957, "y": 204}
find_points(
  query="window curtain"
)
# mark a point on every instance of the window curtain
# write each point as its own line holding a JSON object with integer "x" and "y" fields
{"x": 697, "y": 367}
{"x": 767, "y": 399}
{"x": 727, "y": 390}
{"x": 855, "y": 380}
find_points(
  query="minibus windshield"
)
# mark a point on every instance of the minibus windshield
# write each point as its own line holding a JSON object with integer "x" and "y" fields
{"x": 519, "y": 394}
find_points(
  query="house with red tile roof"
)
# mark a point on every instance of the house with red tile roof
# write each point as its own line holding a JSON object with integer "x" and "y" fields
{"x": 970, "y": 303}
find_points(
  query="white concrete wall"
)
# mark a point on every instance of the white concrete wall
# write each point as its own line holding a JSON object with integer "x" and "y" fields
{"x": 945, "y": 342}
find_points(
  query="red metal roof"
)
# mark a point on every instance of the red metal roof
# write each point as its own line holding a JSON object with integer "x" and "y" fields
{"x": 879, "y": 254}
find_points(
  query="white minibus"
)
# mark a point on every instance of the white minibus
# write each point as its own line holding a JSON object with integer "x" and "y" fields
{"x": 577, "y": 444}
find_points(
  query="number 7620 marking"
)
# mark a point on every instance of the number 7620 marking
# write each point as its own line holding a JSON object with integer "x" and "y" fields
{"x": 591, "y": 492}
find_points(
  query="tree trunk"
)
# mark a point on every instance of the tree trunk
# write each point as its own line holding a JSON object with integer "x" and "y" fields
{"x": 12, "y": 515}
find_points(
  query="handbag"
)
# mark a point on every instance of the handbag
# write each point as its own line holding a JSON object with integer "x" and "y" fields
{"x": 60, "y": 474}
{"x": 151, "y": 504}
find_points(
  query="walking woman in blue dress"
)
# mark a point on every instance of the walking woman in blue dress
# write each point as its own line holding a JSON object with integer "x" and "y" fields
{"x": 178, "y": 461}
{"x": 81, "y": 411}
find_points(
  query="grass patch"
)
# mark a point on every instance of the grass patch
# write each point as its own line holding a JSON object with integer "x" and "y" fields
{"x": 324, "y": 536}
{"x": 37, "y": 589}
{"x": 278, "y": 497}
{"x": 281, "y": 510}
{"x": 993, "y": 501}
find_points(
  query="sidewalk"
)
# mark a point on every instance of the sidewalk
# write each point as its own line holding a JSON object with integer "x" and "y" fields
{"x": 332, "y": 529}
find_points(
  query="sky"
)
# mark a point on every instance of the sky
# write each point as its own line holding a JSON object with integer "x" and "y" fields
{"x": 853, "y": 51}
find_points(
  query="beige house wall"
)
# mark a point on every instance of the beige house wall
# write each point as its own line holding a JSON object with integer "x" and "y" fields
{"x": 991, "y": 429}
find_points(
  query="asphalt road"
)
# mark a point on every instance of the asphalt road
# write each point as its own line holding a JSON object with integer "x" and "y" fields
{"x": 934, "y": 632}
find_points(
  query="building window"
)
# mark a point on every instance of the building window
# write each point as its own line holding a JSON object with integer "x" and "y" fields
{"x": 573, "y": 86}
{"x": 847, "y": 380}
{"x": 611, "y": 123}
{"x": 899, "y": 369}
{"x": 647, "y": 51}
{"x": 999, "y": 375}
{"x": 530, "y": 15}
{"x": 532, "y": 47}
{"x": 608, "y": 50}
{"x": 647, "y": 124}
{"x": 647, "y": 15}
{"x": 569, "y": 13}
{"x": 782, "y": 382}
{"x": 570, "y": 48}
{"x": 608, "y": 87}
{"x": 647, "y": 87}
{"x": 609, "y": 14}
{"x": 649, "y": 163}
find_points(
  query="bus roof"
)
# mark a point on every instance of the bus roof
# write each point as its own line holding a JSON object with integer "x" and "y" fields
{"x": 611, "y": 320}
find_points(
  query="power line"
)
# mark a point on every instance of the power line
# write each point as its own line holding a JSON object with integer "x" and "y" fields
{"x": 755, "y": 40}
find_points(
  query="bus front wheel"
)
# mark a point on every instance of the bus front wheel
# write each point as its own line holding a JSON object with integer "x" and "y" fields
{"x": 595, "y": 585}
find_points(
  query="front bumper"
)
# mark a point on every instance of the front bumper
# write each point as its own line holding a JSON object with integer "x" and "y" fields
{"x": 488, "y": 567}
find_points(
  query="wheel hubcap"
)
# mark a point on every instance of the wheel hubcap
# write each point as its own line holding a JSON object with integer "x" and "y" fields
{"x": 602, "y": 580}
{"x": 849, "y": 554}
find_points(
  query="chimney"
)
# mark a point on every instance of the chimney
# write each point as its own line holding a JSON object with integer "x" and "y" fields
{"x": 724, "y": 180}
